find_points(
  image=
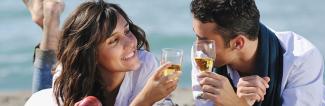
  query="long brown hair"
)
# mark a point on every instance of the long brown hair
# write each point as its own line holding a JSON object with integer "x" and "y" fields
{"x": 87, "y": 27}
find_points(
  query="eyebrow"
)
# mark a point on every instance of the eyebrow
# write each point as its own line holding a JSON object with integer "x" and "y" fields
{"x": 201, "y": 38}
{"x": 126, "y": 25}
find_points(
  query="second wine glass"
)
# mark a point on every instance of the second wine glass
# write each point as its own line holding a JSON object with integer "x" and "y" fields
{"x": 203, "y": 53}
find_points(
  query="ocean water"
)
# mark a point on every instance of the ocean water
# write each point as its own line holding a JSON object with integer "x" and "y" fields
{"x": 166, "y": 22}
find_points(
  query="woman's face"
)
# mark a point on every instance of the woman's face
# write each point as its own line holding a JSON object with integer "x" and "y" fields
{"x": 118, "y": 53}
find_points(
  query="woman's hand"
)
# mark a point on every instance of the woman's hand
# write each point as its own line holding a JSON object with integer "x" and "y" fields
{"x": 157, "y": 87}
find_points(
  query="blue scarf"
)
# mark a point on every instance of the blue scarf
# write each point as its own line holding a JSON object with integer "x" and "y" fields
{"x": 269, "y": 62}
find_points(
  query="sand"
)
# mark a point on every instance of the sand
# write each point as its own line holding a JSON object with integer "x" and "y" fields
{"x": 14, "y": 98}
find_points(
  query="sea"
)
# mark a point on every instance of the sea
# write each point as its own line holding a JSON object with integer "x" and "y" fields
{"x": 167, "y": 23}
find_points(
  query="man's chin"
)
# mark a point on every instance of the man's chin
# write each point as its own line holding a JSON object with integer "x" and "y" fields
{"x": 218, "y": 65}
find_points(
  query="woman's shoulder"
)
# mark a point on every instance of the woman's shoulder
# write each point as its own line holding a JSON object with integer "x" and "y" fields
{"x": 136, "y": 80}
{"x": 148, "y": 61}
{"x": 43, "y": 97}
{"x": 146, "y": 55}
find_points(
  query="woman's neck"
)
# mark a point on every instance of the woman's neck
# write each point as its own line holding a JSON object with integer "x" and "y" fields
{"x": 113, "y": 80}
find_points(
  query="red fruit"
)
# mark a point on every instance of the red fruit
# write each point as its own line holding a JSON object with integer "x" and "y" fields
{"x": 89, "y": 101}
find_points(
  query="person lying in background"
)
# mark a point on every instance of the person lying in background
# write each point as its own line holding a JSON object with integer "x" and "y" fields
{"x": 45, "y": 13}
{"x": 102, "y": 54}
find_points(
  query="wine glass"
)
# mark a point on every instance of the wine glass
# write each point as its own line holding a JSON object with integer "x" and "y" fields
{"x": 174, "y": 57}
{"x": 203, "y": 54}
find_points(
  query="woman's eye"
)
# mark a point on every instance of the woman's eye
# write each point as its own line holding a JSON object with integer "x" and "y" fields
{"x": 113, "y": 41}
{"x": 127, "y": 32}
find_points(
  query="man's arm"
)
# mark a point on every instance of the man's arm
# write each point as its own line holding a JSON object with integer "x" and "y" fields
{"x": 305, "y": 82}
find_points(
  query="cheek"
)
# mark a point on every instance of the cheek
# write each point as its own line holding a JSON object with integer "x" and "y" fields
{"x": 107, "y": 58}
{"x": 222, "y": 57}
{"x": 219, "y": 55}
{"x": 219, "y": 51}
{"x": 133, "y": 39}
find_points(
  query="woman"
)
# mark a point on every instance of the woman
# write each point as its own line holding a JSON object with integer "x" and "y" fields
{"x": 100, "y": 54}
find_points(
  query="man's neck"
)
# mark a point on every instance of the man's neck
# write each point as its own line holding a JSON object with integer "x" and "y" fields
{"x": 245, "y": 64}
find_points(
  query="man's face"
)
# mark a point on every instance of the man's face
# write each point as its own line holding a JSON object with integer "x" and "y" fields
{"x": 207, "y": 31}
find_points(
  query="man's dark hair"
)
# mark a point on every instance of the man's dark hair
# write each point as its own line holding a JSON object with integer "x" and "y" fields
{"x": 232, "y": 17}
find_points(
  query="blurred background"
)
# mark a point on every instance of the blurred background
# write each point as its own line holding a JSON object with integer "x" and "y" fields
{"x": 166, "y": 22}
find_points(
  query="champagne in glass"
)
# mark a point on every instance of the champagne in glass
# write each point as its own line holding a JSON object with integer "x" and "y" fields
{"x": 204, "y": 64}
{"x": 203, "y": 52}
{"x": 174, "y": 56}
{"x": 173, "y": 68}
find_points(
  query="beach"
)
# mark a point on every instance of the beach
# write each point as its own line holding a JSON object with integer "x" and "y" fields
{"x": 14, "y": 98}
{"x": 165, "y": 28}
{"x": 184, "y": 97}
{"x": 18, "y": 98}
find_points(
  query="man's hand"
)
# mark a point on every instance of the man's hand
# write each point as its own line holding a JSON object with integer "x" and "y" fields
{"x": 218, "y": 89}
{"x": 252, "y": 88}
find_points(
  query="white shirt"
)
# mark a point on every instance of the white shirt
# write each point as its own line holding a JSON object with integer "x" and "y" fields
{"x": 302, "y": 81}
{"x": 132, "y": 84}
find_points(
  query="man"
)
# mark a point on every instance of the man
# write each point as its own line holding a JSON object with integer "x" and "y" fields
{"x": 254, "y": 65}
